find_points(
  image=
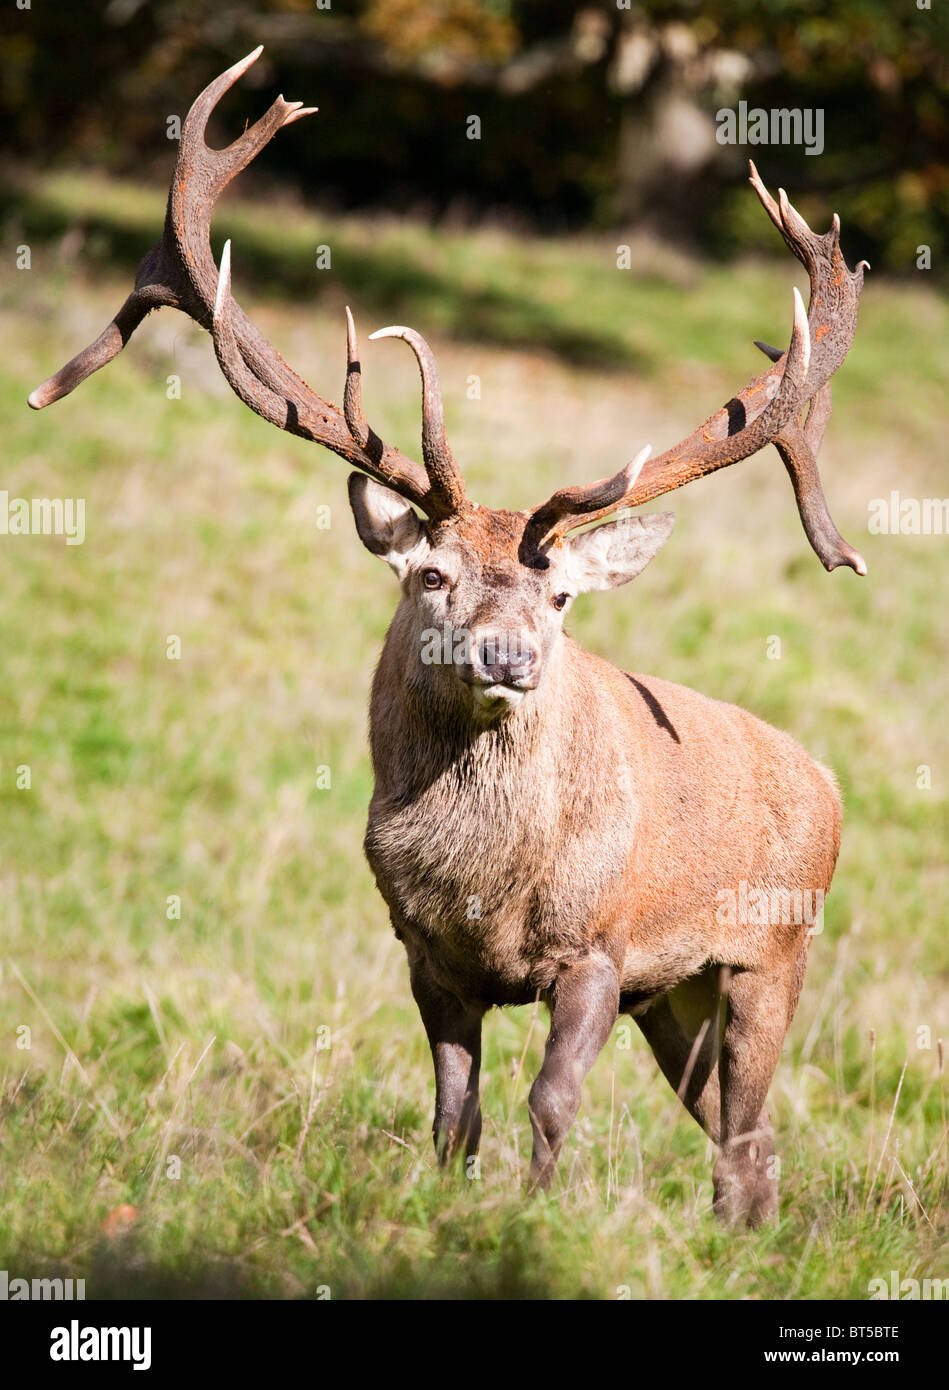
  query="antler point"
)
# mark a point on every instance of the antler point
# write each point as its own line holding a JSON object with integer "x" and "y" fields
{"x": 635, "y": 467}
{"x": 223, "y": 280}
{"x": 297, "y": 111}
{"x": 240, "y": 67}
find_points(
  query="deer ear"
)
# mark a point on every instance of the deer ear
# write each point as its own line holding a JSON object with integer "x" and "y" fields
{"x": 613, "y": 554}
{"x": 386, "y": 523}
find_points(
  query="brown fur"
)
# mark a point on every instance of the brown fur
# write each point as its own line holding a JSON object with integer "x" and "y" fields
{"x": 575, "y": 848}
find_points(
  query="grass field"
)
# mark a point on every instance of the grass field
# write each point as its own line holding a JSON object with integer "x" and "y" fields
{"x": 252, "y": 1076}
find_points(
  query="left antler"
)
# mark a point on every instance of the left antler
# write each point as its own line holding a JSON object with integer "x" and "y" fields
{"x": 766, "y": 411}
{"x": 180, "y": 271}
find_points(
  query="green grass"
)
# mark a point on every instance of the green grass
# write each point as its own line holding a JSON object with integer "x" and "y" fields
{"x": 155, "y": 1039}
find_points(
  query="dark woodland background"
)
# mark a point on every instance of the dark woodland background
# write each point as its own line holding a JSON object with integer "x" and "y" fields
{"x": 592, "y": 115}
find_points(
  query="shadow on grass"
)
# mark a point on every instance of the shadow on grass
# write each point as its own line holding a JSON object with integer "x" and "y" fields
{"x": 393, "y": 283}
{"x": 117, "y": 1271}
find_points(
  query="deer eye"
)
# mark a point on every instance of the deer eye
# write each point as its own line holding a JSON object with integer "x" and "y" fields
{"x": 433, "y": 579}
{"x": 560, "y": 601}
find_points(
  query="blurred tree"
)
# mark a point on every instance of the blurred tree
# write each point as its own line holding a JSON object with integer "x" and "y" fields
{"x": 441, "y": 34}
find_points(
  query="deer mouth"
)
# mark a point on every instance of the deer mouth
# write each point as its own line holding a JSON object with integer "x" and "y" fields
{"x": 497, "y": 697}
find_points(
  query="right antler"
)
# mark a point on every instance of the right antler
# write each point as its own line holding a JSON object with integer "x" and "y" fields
{"x": 766, "y": 411}
{"x": 180, "y": 271}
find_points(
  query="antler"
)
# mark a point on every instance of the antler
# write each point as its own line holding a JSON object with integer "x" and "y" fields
{"x": 439, "y": 461}
{"x": 180, "y": 271}
{"x": 766, "y": 411}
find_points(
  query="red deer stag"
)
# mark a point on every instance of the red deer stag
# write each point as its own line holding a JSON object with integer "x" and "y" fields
{"x": 543, "y": 824}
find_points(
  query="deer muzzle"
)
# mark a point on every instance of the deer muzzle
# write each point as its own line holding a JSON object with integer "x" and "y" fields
{"x": 503, "y": 664}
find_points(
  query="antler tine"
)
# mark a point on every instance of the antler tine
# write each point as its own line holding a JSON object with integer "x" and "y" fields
{"x": 109, "y": 343}
{"x": 222, "y": 165}
{"x": 180, "y": 271}
{"x": 766, "y": 411}
{"x": 445, "y": 475}
{"x": 575, "y": 506}
{"x": 801, "y": 462}
{"x": 295, "y": 414}
{"x": 352, "y": 394}
{"x": 166, "y": 275}
{"x": 835, "y": 290}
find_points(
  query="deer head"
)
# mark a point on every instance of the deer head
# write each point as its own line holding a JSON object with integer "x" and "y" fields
{"x": 484, "y": 594}
{"x": 498, "y": 582}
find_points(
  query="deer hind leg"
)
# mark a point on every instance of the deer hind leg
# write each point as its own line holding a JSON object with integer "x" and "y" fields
{"x": 454, "y": 1034}
{"x": 683, "y": 1028}
{"x": 759, "y": 1011}
{"x": 583, "y": 1002}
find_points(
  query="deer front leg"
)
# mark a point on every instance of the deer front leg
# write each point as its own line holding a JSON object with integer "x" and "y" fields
{"x": 584, "y": 1002}
{"x": 454, "y": 1034}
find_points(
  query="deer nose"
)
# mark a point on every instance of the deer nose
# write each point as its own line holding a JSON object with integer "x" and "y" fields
{"x": 505, "y": 657}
